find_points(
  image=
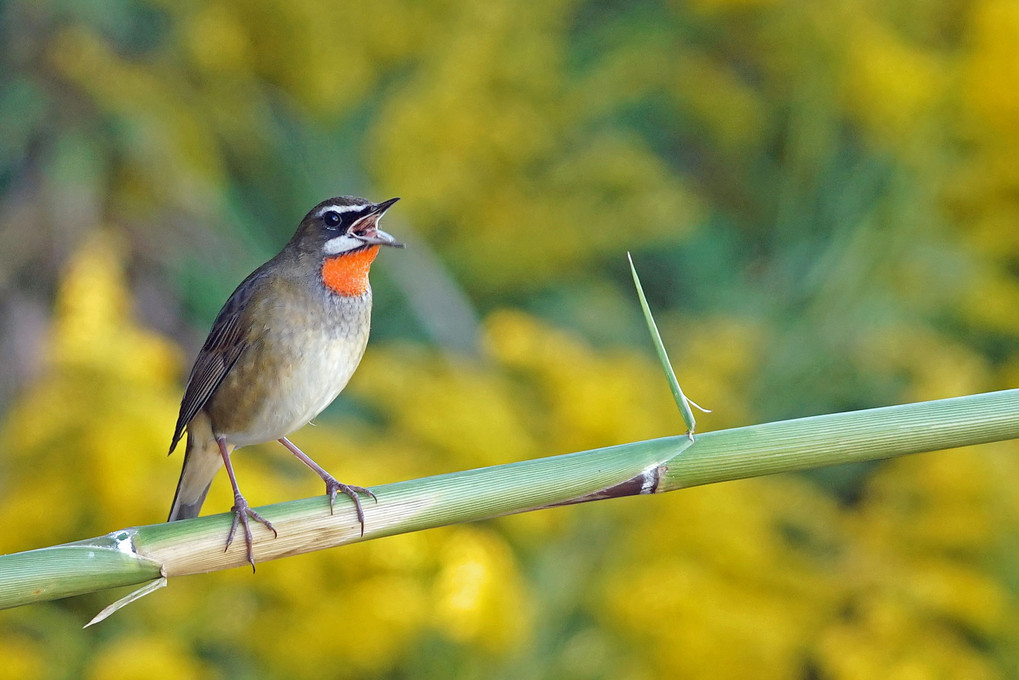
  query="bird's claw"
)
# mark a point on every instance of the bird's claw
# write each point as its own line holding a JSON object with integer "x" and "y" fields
{"x": 242, "y": 511}
{"x": 354, "y": 492}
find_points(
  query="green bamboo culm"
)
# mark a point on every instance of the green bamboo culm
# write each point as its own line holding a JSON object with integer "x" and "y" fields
{"x": 137, "y": 555}
{"x": 71, "y": 569}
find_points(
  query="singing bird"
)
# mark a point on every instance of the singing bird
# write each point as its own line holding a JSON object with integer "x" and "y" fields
{"x": 282, "y": 348}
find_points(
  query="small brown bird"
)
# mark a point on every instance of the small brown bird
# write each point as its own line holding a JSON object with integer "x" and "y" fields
{"x": 282, "y": 348}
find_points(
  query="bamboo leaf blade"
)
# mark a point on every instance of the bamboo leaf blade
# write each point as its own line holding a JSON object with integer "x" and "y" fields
{"x": 682, "y": 402}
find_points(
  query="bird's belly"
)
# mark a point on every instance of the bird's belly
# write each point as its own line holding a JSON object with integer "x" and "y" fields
{"x": 286, "y": 392}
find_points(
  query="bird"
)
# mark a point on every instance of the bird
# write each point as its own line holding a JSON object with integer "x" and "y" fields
{"x": 281, "y": 349}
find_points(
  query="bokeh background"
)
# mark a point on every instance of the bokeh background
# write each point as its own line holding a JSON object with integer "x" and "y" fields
{"x": 822, "y": 199}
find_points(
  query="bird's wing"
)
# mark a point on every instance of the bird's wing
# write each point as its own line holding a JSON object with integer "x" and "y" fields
{"x": 229, "y": 337}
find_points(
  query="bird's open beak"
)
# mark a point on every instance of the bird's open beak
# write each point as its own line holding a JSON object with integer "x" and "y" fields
{"x": 367, "y": 229}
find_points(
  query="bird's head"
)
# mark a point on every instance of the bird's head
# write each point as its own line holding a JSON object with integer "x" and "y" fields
{"x": 343, "y": 235}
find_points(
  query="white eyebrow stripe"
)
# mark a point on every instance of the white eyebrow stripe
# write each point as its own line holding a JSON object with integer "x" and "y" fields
{"x": 341, "y": 209}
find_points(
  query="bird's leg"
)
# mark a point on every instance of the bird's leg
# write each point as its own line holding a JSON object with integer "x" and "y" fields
{"x": 241, "y": 509}
{"x": 332, "y": 485}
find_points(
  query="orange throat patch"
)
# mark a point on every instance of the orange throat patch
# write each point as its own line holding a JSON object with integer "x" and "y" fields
{"x": 347, "y": 274}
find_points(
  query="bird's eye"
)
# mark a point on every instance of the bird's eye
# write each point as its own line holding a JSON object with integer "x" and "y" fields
{"x": 331, "y": 219}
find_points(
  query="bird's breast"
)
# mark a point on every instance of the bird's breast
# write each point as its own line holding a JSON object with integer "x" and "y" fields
{"x": 293, "y": 369}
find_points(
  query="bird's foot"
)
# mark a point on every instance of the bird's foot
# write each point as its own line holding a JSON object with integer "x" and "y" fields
{"x": 333, "y": 487}
{"x": 242, "y": 511}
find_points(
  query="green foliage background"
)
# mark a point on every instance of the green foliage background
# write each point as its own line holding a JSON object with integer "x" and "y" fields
{"x": 822, "y": 200}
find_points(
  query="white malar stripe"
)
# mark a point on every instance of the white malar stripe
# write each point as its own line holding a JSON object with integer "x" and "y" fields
{"x": 340, "y": 209}
{"x": 340, "y": 244}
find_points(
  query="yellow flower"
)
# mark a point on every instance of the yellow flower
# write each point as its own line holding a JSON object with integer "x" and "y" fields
{"x": 147, "y": 657}
{"x": 891, "y": 84}
{"x": 479, "y": 596}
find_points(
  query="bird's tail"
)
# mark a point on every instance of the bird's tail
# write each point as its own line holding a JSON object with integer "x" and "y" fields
{"x": 202, "y": 461}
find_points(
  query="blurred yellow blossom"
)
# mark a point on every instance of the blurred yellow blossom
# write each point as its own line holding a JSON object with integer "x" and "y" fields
{"x": 22, "y": 658}
{"x": 105, "y": 398}
{"x": 479, "y": 595}
{"x": 992, "y": 72}
{"x": 891, "y": 85}
{"x": 135, "y": 657}
{"x": 882, "y": 637}
{"x": 826, "y": 198}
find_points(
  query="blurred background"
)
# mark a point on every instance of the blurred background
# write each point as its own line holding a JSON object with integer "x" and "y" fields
{"x": 822, "y": 199}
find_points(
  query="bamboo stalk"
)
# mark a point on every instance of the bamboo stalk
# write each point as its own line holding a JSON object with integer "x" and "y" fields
{"x": 140, "y": 554}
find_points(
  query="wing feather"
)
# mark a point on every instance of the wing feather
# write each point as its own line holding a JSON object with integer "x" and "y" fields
{"x": 229, "y": 337}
